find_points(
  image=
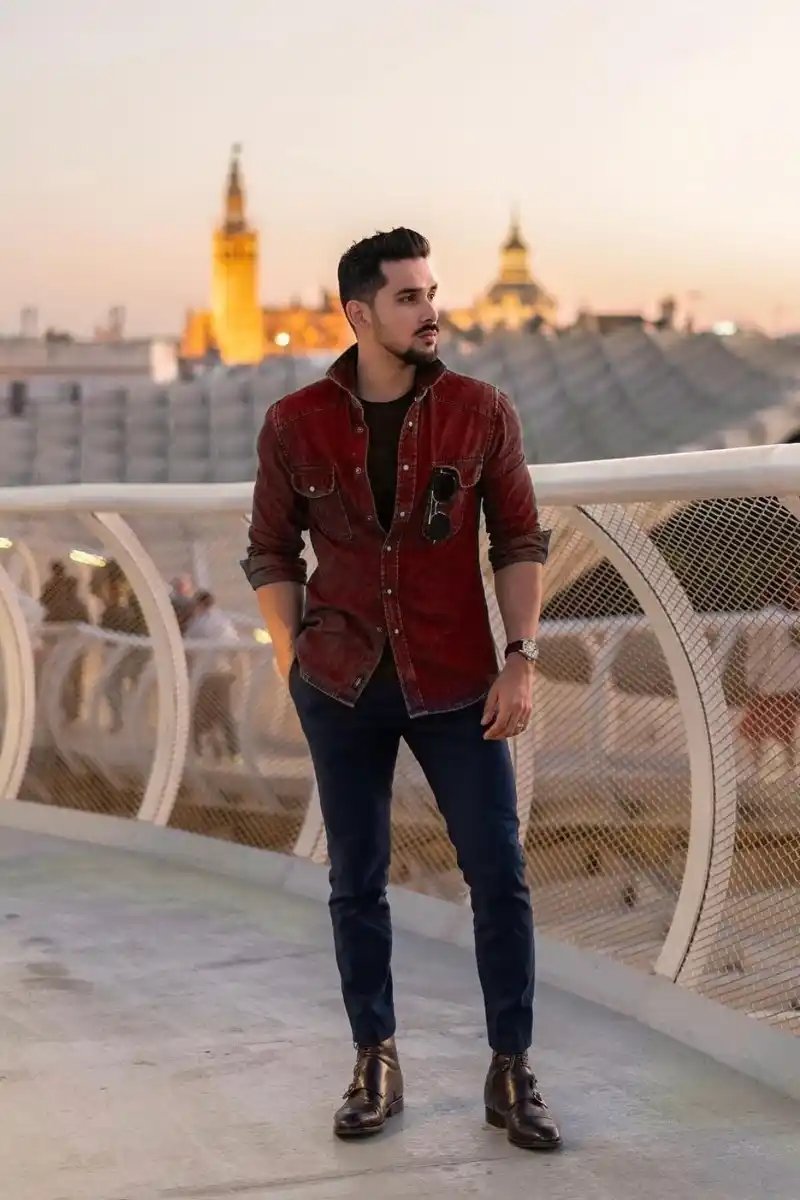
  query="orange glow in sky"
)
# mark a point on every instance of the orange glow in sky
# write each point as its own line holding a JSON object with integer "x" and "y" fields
{"x": 650, "y": 148}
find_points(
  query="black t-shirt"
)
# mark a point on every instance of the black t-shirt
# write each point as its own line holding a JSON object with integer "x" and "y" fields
{"x": 385, "y": 424}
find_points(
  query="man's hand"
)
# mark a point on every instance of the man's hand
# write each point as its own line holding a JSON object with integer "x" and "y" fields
{"x": 510, "y": 700}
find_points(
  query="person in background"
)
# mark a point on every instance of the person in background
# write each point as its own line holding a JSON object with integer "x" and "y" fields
{"x": 213, "y": 709}
{"x": 62, "y": 603}
{"x": 53, "y": 589}
{"x": 773, "y": 681}
{"x": 182, "y": 597}
{"x": 120, "y": 616}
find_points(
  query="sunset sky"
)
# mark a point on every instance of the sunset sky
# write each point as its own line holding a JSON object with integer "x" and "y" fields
{"x": 651, "y": 148}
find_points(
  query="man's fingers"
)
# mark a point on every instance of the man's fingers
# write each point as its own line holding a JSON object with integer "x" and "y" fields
{"x": 490, "y": 707}
{"x": 508, "y": 723}
{"x": 495, "y": 730}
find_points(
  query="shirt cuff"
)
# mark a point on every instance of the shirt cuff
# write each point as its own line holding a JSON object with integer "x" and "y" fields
{"x": 259, "y": 573}
{"x": 534, "y": 549}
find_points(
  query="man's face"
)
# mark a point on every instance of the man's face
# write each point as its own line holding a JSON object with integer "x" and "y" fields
{"x": 403, "y": 317}
{"x": 182, "y": 586}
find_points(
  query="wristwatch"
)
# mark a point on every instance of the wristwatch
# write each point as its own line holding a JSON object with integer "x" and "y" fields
{"x": 526, "y": 647}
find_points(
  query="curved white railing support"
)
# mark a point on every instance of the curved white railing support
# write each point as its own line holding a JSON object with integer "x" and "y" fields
{"x": 23, "y": 568}
{"x": 709, "y": 736}
{"x": 19, "y": 679}
{"x": 172, "y": 680}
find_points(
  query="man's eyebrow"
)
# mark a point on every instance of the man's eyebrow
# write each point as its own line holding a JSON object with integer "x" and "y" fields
{"x": 412, "y": 291}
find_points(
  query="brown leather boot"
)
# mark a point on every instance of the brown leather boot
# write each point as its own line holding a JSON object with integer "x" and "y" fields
{"x": 514, "y": 1103}
{"x": 375, "y": 1093}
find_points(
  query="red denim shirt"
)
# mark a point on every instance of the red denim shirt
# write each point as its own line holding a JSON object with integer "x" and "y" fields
{"x": 426, "y": 597}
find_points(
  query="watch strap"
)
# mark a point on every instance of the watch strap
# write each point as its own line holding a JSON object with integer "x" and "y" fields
{"x": 520, "y": 647}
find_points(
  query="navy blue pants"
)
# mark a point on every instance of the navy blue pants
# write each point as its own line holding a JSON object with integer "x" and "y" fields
{"x": 354, "y": 751}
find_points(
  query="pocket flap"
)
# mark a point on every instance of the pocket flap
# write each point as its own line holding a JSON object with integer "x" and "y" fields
{"x": 314, "y": 482}
{"x": 469, "y": 471}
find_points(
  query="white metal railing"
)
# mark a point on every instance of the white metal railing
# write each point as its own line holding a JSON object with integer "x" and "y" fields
{"x": 657, "y": 788}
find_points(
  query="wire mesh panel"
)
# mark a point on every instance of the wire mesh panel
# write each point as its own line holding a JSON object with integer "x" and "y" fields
{"x": 608, "y": 799}
{"x": 740, "y": 560}
{"x": 248, "y": 775}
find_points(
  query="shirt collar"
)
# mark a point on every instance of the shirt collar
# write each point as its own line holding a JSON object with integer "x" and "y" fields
{"x": 344, "y": 371}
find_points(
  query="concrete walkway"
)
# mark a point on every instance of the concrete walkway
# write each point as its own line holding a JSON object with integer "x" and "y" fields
{"x": 171, "y": 1035}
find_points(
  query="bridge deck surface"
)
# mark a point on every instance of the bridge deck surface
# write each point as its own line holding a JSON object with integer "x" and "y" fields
{"x": 168, "y": 1034}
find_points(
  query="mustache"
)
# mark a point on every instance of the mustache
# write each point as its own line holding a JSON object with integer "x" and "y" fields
{"x": 430, "y": 327}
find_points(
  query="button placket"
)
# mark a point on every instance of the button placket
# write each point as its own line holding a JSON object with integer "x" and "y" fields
{"x": 407, "y": 458}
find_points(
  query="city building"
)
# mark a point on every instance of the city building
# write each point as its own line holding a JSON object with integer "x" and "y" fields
{"x": 515, "y": 301}
{"x": 238, "y": 329}
{"x": 58, "y": 366}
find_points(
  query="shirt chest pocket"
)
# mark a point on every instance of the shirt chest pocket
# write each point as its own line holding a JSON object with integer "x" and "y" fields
{"x": 452, "y": 500}
{"x": 326, "y": 511}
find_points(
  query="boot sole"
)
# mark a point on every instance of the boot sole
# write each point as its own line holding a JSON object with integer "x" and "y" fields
{"x": 497, "y": 1121}
{"x": 395, "y": 1107}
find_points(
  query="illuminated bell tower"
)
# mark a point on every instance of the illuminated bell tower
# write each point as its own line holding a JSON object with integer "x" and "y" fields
{"x": 237, "y": 319}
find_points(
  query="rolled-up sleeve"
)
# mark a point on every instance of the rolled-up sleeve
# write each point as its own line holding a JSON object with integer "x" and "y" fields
{"x": 279, "y": 517}
{"x": 509, "y": 501}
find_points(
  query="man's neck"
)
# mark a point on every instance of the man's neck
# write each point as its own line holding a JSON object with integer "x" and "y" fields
{"x": 381, "y": 377}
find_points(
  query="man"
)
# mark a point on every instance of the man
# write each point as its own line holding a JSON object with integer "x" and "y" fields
{"x": 213, "y": 708}
{"x": 387, "y": 462}
{"x": 772, "y": 671}
{"x": 62, "y": 604}
{"x": 182, "y": 597}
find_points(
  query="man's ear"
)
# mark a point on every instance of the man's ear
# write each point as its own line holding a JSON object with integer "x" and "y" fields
{"x": 357, "y": 314}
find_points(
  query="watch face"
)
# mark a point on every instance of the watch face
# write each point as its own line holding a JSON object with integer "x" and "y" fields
{"x": 530, "y": 650}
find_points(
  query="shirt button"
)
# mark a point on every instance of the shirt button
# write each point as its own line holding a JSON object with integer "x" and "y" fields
{"x": 312, "y": 488}
{"x": 388, "y": 591}
{"x": 405, "y": 466}
{"x": 358, "y": 470}
{"x": 380, "y": 628}
{"x": 388, "y": 549}
{"x": 359, "y": 428}
{"x": 397, "y": 632}
{"x": 402, "y": 514}
{"x": 410, "y": 424}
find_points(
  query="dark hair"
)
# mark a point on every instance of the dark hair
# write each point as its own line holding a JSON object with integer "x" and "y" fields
{"x": 360, "y": 274}
{"x": 203, "y": 598}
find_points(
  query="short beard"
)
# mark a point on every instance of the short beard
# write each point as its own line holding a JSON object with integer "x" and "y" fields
{"x": 411, "y": 356}
{"x": 416, "y": 358}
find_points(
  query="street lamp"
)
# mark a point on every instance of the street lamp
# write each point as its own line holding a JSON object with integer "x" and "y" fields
{"x": 283, "y": 342}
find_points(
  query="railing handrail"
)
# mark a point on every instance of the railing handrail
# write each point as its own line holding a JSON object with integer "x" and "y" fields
{"x": 694, "y": 475}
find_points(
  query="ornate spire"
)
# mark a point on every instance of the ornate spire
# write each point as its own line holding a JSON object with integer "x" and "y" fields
{"x": 234, "y": 194}
{"x": 515, "y": 266}
{"x": 514, "y": 241}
